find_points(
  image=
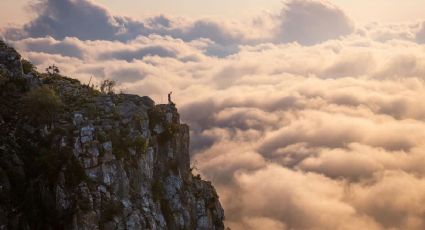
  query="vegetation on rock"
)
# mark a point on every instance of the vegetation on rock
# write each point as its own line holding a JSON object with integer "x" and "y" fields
{"x": 108, "y": 86}
{"x": 42, "y": 105}
{"x": 28, "y": 67}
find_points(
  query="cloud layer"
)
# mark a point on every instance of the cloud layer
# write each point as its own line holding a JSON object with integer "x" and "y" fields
{"x": 300, "y": 119}
{"x": 304, "y": 21}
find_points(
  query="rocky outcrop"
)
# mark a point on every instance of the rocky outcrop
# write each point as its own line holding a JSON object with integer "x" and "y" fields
{"x": 10, "y": 61}
{"x": 97, "y": 161}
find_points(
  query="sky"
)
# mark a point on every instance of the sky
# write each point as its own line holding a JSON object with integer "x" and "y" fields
{"x": 304, "y": 114}
{"x": 362, "y": 10}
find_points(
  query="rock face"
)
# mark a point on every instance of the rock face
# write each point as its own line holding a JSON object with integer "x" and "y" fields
{"x": 97, "y": 161}
{"x": 10, "y": 63}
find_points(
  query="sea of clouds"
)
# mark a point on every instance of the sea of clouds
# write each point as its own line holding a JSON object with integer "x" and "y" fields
{"x": 301, "y": 118}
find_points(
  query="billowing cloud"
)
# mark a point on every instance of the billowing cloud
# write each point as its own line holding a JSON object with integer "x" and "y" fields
{"x": 313, "y": 125}
{"x": 298, "y": 200}
{"x": 69, "y": 47}
{"x": 77, "y": 18}
{"x": 304, "y": 21}
{"x": 86, "y": 20}
{"x": 310, "y": 22}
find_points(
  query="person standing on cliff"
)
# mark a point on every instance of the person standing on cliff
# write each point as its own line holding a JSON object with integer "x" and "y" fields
{"x": 169, "y": 99}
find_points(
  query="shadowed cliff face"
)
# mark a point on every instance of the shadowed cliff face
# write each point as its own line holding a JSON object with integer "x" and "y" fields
{"x": 74, "y": 158}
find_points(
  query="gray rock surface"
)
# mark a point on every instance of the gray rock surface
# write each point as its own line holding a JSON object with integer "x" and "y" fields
{"x": 10, "y": 61}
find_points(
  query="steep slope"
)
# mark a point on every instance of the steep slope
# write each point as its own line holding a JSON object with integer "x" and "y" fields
{"x": 74, "y": 158}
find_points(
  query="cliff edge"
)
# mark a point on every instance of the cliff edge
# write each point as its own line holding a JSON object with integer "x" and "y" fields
{"x": 72, "y": 157}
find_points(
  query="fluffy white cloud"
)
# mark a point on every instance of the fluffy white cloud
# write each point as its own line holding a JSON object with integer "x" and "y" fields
{"x": 297, "y": 200}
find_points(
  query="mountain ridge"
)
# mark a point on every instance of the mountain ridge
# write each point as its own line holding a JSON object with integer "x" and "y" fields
{"x": 72, "y": 157}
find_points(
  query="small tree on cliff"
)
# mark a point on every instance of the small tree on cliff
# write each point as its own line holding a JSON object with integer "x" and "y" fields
{"x": 52, "y": 70}
{"x": 108, "y": 86}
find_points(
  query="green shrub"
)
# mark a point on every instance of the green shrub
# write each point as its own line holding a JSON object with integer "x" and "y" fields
{"x": 42, "y": 105}
{"x": 12, "y": 85}
{"x": 115, "y": 114}
{"x": 27, "y": 66}
{"x": 156, "y": 116}
{"x": 50, "y": 163}
{"x": 119, "y": 144}
{"x": 141, "y": 144}
{"x": 169, "y": 131}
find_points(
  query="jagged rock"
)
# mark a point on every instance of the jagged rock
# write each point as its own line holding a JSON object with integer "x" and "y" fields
{"x": 10, "y": 61}
{"x": 78, "y": 119}
{"x": 86, "y": 134}
{"x": 105, "y": 162}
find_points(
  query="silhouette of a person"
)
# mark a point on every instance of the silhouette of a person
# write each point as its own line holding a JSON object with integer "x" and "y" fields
{"x": 169, "y": 99}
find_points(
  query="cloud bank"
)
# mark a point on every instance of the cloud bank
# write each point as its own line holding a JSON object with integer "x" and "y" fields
{"x": 300, "y": 119}
{"x": 304, "y": 21}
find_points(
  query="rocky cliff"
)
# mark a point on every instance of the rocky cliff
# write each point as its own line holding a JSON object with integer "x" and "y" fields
{"x": 72, "y": 157}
